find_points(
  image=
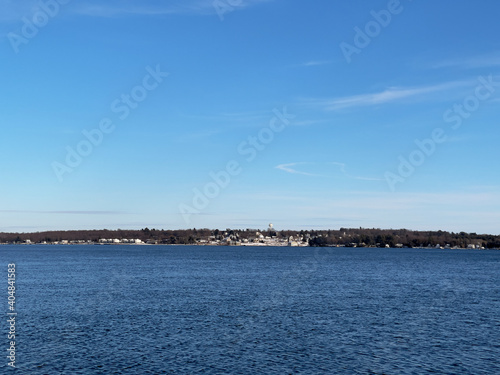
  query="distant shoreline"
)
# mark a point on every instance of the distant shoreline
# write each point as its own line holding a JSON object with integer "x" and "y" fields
{"x": 343, "y": 237}
{"x": 247, "y": 245}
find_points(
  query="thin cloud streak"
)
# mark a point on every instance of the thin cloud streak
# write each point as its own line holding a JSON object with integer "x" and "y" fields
{"x": 389, "y": 201}
{"x": 232, "y": 117}
{"x": 309, "y": 122}
{"x": 64, "y": 212}
{"x": 387, "y": 96}
{"x": 13, "y": 11}
{"x": 470, "y": 63}
{"x": 131, "y": 8}
{"x": 109, "y": 11}
{"x": 289, "y": 168}
{"x": 343, "y": 170}
{"x": 317, "y": 63}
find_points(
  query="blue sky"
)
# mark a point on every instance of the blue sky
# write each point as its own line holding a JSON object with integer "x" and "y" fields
{"x": 321, "y": 114}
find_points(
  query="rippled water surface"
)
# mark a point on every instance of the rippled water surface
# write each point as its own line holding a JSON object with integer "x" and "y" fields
{"x": 262, "y": 310}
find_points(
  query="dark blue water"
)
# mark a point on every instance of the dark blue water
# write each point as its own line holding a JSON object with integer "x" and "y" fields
{"x": 243, "y": 310}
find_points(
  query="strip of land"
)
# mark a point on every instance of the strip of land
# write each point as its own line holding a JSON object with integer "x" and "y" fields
{"x": 343, "y": 237}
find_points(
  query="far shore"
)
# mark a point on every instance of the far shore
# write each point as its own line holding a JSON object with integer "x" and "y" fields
{"x": 343, "y": 237}
{"x": 238, "y": 245}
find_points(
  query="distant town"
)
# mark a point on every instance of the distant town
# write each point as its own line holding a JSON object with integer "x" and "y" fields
{"x": 343, "y": 237}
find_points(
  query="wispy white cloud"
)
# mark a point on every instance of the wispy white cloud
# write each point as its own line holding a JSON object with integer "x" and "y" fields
{"x": 118, "y": 10}
{"x": 234, "y": 117}
{"x": 13, "y": 11}
{"x": 195, "y": 136}
{"x": 343, "y": 170}
{"x": 473, "y": 197}
{"x": 480, "y": 189}
{"x": 390, "y": 95}
{"x": 141, "y": 8}
{"x": 476, "y": 62}
{"x": 309, "y": 122}
{"x": 455, "y": 200}
{"x": 291, "y": 168}
{"x": 67, "y": 212}
{"x": 273, "y": 196}
{"x": 316, "y": 63}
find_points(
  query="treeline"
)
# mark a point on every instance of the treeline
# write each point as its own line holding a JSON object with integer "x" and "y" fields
{"x": 343, "y": 237}
{"x": 160, "y": 236}
{"x": 402, "y": 237}
{"x": 156, "y": 235}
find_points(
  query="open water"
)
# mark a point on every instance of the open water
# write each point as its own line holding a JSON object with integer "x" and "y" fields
{"x": 252, "y": 310}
